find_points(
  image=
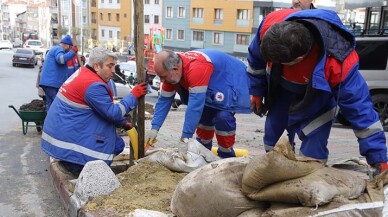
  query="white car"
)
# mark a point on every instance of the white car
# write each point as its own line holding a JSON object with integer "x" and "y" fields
{"x": 6, "y": 44}
{"x": 36, "y": 45}
{"x": 128, "y": 68}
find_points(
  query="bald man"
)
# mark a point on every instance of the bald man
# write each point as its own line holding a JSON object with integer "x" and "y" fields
{"x": 213, "y": 85}
{"x": 302, "y": 4}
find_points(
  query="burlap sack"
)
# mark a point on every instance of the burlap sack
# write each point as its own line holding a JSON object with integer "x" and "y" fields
{"x": 276, "y": 166}
{"x": 213, "y": 190}
{"x": 318, "y": 188}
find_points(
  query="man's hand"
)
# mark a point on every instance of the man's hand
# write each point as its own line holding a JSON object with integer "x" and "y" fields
{"x": 379, "y": 168}
{"x": 257, "y": 106}
{"x": 75, "y": 49}
{"x": 150, "y": 139}
{"x": 139, "y": 90}
{"x": 127, "y": 126}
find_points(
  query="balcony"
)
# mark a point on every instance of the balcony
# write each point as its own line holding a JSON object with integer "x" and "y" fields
{"x": 93, "y": 4}
{"x": 217, "y": 22}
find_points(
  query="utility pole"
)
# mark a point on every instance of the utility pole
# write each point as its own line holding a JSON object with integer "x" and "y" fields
{"x": 139, "y": 47}
{"x": 73, "y": 35}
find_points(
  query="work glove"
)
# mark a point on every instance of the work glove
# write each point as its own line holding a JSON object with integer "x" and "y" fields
{"x": 139, "y": 90}
{"x": 379, "y": 168}
{"x": 150, "y": 139}
{"x": 184, "y": 140}
{"x": 257, "y": 106}
{"x": 75, "y": 49}
{"x": 127, "y": 126}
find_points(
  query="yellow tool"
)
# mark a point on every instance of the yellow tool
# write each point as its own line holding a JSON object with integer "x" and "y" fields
{"x": 239, "y": 152}
{"x": 134, "y": 141}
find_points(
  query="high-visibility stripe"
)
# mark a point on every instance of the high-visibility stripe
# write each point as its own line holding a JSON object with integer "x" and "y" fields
{"x": 372, "y": 129}
{"x": 201, "y": 126}
{"x": 62, "y": 59}
{"x": 71, "y": 103}
{"x": 319, "y": 121}
{"x": 225, "y": 133}
{"x": 198, "y": 89}
{"x": 77, "y": 148}
{"x": 167, "y": 93}
{"x": 254, "y": 71}
{"x": 122, "y": 108}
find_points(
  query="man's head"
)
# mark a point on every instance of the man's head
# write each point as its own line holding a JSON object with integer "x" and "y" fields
{"x": 287, "y": 43}
{"x": 168, "y": 66}
{"x": 302, "y": 4}
{"x": 103, "y": 61}
{"x": 66, "y": 43}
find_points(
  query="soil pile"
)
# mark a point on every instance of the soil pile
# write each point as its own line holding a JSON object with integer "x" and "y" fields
{"x": 35, "y": 105}
{"x": 147, "y": 185}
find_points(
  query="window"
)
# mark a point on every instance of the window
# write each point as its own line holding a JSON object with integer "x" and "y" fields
{"x": 372, "y": 54}
{"x": 109, "y": 17}
{"x": 198, "y": 12}
{"x": 242, "y": 39}
{"x": 110, "y": 1}
{"x": 102, "y": 33}
{"x": 181, "y": 12}
{"x": 217, "y": 38}
{"x": 125, "y": 15}
{"x": 242, "y": 14}
{"x": 118, "y": 35}
{"x": 169, "y": 12}
{"x": 181, "y": 34}
{"x": 117, "y": 17}
{"x": 218, "y": 14}
{"x": 102, "y": 1}
{"x": 101, "y": 16}
{"x": 197, "y": 36}
{"x": 146, "y": 18}
{"x": 156, "y": 19}
{"x": 156, "y": 2}
{"x": 118, "y": 1}
{"x": 146, "y": 2}
{"x": 168, "y": 34}
{"x": 110, "y": 34}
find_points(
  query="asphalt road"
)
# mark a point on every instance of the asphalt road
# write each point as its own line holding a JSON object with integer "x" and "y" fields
{"x": 25, "y": 184}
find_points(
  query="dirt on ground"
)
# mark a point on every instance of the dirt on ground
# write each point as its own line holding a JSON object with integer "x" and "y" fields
{"x": 147, "y": 185}
{"x": 34, "y": 105}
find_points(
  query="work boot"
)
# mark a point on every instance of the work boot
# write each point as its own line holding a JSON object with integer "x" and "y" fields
{"x": 226, "y": 152}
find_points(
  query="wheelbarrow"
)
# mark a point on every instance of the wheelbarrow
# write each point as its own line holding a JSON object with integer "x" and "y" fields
{"x": 30, "y": 116}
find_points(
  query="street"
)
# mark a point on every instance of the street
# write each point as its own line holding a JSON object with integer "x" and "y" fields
{"x": 25, "y": 184}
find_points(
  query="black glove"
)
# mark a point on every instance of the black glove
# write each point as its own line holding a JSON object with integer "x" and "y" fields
{"x": 127, "y": 126}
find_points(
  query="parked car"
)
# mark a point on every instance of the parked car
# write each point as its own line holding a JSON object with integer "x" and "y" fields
{"x": 24, "y": 56}
{"x": 17, "y": 42}
{"x": 5, "y": 44}
{"x": 156, "y": 84}
{"x": 36, "y": 45}
{"x": 373, "y": 57}
{"x": 128, "y": 68}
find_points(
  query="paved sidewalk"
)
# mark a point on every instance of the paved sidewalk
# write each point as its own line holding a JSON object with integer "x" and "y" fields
{"x": 342, "y": 142}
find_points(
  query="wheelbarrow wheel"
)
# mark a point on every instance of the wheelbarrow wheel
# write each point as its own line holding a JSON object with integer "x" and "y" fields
{"x": 39, "y": 126}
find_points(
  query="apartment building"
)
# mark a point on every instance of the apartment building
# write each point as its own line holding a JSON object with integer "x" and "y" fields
{"x": 111, "y": 22}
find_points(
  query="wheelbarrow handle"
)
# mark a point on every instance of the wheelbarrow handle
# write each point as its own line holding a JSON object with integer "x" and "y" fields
{"x": 11, "y": 106}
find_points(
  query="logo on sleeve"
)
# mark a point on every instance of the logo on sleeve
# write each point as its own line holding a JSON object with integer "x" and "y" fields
{"x": 219, "y": 97}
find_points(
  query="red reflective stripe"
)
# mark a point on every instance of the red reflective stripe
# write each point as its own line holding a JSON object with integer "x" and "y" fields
{"x": 226, "y": 141}
{"x": 333, "y": 68}
{"x": 205, "y": 134}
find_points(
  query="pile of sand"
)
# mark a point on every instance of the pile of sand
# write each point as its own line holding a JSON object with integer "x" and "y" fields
{"x": 146, "y": 185}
